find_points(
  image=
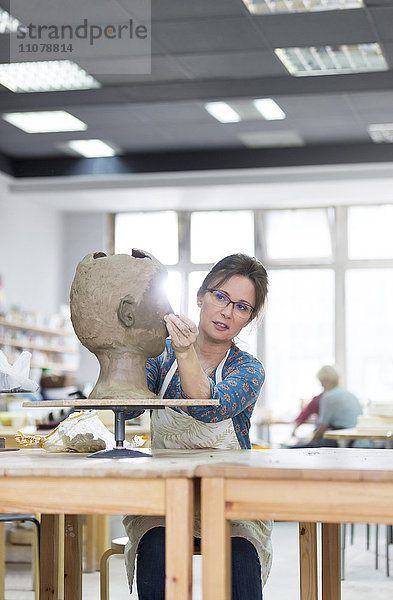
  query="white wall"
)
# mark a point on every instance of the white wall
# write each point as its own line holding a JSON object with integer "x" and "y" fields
{"x": 82, "y": 233}
{"x": 30, "y": 250}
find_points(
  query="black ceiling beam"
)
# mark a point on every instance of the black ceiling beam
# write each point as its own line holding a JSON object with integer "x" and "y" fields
{"x": 6, "y": 165}
{"x": 200, "y": 90}
{"x": 160, "y": 162}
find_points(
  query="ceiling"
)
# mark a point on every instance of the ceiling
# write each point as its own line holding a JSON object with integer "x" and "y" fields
{"x": 204, "y": 50}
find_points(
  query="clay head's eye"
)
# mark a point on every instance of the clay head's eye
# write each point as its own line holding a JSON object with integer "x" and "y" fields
{"x": 99, "y": 255}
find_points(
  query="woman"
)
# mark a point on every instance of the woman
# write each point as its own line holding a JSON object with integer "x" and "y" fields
{"x": 204, "y": 362}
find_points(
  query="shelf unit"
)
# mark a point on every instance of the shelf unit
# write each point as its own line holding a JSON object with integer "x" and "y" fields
{"x": 54, "y": 349}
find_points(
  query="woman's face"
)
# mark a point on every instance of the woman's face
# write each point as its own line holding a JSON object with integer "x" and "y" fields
{"x": 221, "y": 323}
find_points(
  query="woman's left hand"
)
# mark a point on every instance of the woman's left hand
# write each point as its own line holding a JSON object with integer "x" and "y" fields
{"x": 182, "y": 330}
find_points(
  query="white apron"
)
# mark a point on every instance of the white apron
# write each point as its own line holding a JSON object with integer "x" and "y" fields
{"x": 171, "y": 429}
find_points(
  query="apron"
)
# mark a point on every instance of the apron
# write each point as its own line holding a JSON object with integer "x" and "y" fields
{"x": 172, "y": 429}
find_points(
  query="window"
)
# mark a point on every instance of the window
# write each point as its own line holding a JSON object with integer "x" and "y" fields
{"x": 155, "y": 232}
{"x": 298, "y": 233}
{"x": 369, "y": 301}
{"x": 370, "y": 232}
{"x": 299, "y": 335}
{"x": 217, "y": 234}
{"x": 309, "y": 262}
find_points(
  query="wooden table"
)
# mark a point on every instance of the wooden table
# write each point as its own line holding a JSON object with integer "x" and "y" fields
{"x": 70, "y": 484}
{"x": 326, "y": 485}
{"x": 345, "y": 436}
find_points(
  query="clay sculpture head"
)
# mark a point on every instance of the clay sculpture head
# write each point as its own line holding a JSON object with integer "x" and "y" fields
{"x": 117, "y": 311}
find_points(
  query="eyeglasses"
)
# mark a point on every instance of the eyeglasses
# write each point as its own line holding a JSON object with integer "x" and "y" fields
{"x": 240, "y": 309}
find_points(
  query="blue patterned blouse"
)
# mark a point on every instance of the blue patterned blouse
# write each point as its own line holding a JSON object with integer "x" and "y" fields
{"x": 242, "y": 379}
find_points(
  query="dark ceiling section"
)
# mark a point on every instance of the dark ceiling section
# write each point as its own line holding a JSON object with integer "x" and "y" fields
{"x": 215, "y": 50}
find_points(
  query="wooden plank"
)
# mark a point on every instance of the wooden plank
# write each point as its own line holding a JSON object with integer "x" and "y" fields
{"x": 325, "y": 501}
{"x": 60, "y": 568}
{"x": 179, "y": 539}
{"x": 89, "y": 495}
{"x": 331, "y": 568}
{"x": 216, "y": 550}
{"x": 308, "y": 561}
{"x": 96, "y": 541}
{"x": 91, "y": 555}
{"x": 72, "y": 557}
{"x": 49, "y": 589}
{"x": 2, "y": 560}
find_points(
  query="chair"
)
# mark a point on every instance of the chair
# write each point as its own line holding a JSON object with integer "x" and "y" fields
{"x": 117, "y": 547}
{"x": 18, "y": 517}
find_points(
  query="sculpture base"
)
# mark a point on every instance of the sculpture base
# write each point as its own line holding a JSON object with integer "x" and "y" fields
{"x": 119, "y": 453}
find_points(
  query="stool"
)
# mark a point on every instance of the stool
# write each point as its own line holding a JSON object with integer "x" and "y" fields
{"x": 117, "y": 547}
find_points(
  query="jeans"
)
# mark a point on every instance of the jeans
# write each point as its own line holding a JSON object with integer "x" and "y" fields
{"x": 150, "y": 572}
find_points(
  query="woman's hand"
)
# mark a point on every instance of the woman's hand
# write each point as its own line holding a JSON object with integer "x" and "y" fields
{"x": 182, "y": 330}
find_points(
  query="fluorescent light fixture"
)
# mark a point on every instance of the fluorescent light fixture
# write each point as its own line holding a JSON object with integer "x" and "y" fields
{"x": 269, "y": 109}
{"x": 381, "y": 132}
{"x": 91, "y": 148}
{"x": 45, "y": 76}
{"x": 8, "y": 23}
{"x": 332, "y": 60}
{"x": 223, "y": 112}
{"x": 262, "y": 7}
{"x": 45, "y": 121}
{"x": 270, "y": 139}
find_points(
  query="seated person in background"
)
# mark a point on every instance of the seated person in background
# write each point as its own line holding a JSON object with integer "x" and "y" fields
{"x": 338, "y": 409}
{"x": 312, "y": 408}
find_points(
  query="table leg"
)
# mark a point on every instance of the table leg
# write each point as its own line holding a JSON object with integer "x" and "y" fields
{"x": 91, "y": 562}
{"x": 72, "y": 557}
{"x": 331, "y": 570}
{"x": 216, "y": 549}
{"x": 2, "y": 560}
{"x": 49, "y": 557}
{"x": 179, "y": 538}
{"x": 308, "y": 561}
{"x": 97, "y": 541}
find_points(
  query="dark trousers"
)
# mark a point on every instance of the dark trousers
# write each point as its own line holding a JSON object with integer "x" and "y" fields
{"x": 150, "y": 573}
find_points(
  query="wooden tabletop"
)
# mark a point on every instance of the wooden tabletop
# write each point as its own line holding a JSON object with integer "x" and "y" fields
{"x": 162, "y": 464}
{"x": 330, "y": 464}
{"x": 320, "y": 463}
{"x": 354, "y": 434}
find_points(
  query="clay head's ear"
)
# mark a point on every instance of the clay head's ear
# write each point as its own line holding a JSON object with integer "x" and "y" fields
{"x": 125, "y": 312}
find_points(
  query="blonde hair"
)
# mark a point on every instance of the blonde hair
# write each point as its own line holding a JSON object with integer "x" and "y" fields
{"x": 328, "y": 373}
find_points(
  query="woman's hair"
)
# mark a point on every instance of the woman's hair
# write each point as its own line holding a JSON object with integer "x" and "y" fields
{"x": 239, "y": 264}
{"x": 328, "y": 373}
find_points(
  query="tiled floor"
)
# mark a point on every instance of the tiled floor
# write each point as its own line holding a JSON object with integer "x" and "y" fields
{"x": 362, "y": 581}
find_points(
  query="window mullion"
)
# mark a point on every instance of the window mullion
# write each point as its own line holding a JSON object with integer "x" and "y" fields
{"x": 341, "y": 254}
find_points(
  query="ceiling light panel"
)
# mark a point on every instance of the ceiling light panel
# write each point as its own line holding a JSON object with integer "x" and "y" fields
{"x": 332, "y": 60}
{"x": 271, "y": 139}
{"x": 91, "y": 148}
{"x": 223, "y": 112}
{"x": 45, "y": 121}
{"x": 262, "y": 7}
{"x": 269, "y": 109}
{"x": 45, "y": 76}
{"x": 381, "y": 132}
{"x": 8, "y": 23}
